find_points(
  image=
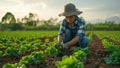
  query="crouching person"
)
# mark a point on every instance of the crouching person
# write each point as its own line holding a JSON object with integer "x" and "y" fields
{"x": 72, "y": 28}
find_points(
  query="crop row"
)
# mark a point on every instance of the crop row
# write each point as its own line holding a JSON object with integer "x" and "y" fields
{"x": 114, "y": 53}
{"x": 114, "y": 35}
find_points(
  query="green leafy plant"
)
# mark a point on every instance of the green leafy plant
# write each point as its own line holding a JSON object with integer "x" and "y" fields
{"x": 37, "y": 46}
{"x": 86, "y": 50}
{"x": 23, "y": 48}
{"x": 110, "y": 46}
{"x": 33, "y": 58}
{"x": 114, "y": 58}
{"x": 8, "y": 65}
{"x": 69, "y": 62}
{"x": 114, "y": 51}
{"x": 1, "y": 54}
{"x": 52, "y": 51}
{"x": 16, "y": 65}
{"x": 80, "y": 55}
{"x": 12, "y": 51}
{"x": 28, "y": 46}
{"x": 90, "y": 36}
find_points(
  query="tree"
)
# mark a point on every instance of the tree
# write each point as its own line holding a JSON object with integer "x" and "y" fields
{"x": 50, "y": 21}
{"x": 31, "y": 20}
{"x": 8, "y": 18}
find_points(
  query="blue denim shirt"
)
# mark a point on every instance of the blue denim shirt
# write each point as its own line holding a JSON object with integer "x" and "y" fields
{"x": 77, "y": 30}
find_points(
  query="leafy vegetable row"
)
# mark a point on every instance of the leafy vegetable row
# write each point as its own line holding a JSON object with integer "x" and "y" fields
{"x": 114, "y": 51}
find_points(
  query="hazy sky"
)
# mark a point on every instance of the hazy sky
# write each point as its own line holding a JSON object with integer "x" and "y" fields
{"x": 92, "y": 9}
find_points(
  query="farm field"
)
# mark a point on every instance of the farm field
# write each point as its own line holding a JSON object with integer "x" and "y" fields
{"x": 35, "y": 49}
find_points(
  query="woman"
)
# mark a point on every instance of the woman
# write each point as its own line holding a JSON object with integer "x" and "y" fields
{"x": 72, "y": 28}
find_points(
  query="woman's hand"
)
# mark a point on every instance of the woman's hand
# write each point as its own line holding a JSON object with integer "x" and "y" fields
{"x": 65, "y": 46}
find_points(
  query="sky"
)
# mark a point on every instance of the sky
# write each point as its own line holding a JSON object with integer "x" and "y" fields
{"x": 45, "y": 9}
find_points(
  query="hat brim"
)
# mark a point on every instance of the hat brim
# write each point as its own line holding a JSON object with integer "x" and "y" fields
{"x": 69, "y": 14}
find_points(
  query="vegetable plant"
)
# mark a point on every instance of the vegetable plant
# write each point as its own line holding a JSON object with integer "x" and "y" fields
{"x": 52, "y": 51}
{"x": 12, "y": 51}
{"x": 69, "y": 62}
{"x": 33, "y": 58}
{"x": 1, "y": 54}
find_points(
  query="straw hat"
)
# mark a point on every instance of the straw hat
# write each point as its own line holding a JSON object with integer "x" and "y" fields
{"x": 70, "y": 9}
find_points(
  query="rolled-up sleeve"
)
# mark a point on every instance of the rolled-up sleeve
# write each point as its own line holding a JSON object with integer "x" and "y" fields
{"x": 62, "y": 29}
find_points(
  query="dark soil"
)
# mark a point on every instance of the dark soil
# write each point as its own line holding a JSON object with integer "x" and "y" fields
{"x": 50, "y": 39}
{"x": 98, "y": 52}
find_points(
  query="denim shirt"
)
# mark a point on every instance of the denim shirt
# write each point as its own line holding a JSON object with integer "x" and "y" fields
{"x": 77, "y": 30}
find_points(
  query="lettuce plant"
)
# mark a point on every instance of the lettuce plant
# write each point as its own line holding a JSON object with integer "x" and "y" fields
{"x": 69, "y": 62}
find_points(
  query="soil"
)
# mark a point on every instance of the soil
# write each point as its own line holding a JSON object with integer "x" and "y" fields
{"x": 94, "y": 59}
{"x": 98, "y": 52}
{"x": 50, "y": 39}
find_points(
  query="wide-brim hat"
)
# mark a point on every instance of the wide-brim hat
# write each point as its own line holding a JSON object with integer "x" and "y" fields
{"x": 70, "y": 9}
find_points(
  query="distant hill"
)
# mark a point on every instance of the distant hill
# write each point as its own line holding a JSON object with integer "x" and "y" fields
{"x": 95, "y": 21}
{"x": 115, "y": 18}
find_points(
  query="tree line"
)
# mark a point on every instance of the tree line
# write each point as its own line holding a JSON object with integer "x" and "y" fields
{"x": 32, "y": 22}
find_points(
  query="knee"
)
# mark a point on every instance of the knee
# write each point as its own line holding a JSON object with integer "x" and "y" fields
{"x": 84, "y": 43}
{"x": 87, "y": 40}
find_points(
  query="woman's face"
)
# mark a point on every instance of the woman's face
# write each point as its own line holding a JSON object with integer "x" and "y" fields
{"x": 70, "y": 19}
